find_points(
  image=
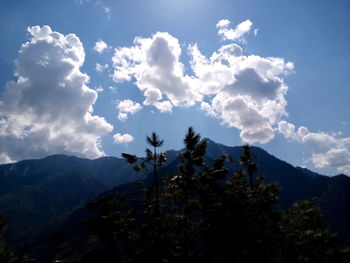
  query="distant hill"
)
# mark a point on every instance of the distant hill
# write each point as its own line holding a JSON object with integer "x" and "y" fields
{"x": 38, "y": 197}
{"x": 295, "y": 184}
{"x": 109, "y": 171}
{"x": 35, "y": 194}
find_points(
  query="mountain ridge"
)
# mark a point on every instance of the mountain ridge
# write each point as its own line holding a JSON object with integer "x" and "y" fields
{"x": 81, "y": 179}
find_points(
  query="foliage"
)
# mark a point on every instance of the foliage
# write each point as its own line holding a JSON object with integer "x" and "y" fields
{"x": 201, "y": 213}
{"x": 305, "y": 234}
{"x": 152, "y": 159}
{"x": 151, "y": 237}
{"x": 6, "y": 254}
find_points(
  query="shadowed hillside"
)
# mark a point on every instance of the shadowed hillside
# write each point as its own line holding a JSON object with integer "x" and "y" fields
{"x": 116, "y": 233}
{"x": 37, "y": 195}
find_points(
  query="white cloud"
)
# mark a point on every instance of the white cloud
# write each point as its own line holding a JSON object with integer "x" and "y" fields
{"x": 122, "y": 116}
{"x": 245, "y": 92}
{"x": 99, "y": 89}
{"x": 288, "y": 130}
{"x": 48, "y": 109}
{"x": 154, "y": 63}
{"x": 122, "y": 138}
{"x": 163, "y": 106}
{"x": 113, "y": 89}
{"x": 100, "y": 68}
{"x": 327, "y": 150}
{"x": 107, "y": 10}
{"x": 100, "y": 46}
{"x": 234, "y": 34}
{"x": 127, "y": 106}
{"x": 5, "y": 159}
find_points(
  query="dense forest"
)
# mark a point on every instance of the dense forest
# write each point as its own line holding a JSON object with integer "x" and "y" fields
{"x": 202, "y": 212}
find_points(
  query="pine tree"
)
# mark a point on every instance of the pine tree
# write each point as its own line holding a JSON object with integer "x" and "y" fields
{"x": 152, "y": 229}
{"x": 305, "y": 235}
{"x": 153, "y": 160}
{"x": 182, "y": 191}
{"x": 202, "y": 214}
{"x": 247, "y": 160}
{"x": 116, "y": 225}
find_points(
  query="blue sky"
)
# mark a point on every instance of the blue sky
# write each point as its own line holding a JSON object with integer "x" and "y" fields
{"x": 270, "y": 73}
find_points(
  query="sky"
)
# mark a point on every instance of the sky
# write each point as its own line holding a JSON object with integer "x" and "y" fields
{"x": 93, "y": 78}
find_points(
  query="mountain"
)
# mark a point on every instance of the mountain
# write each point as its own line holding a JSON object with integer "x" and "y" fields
{"x": 74, "y": 239}
{"x": 307, "y": 171}
{"x": 295, "y": 184}
{"x": 335, "y": 206}
{"x": 109, "y": 171}
{"x": 36, "y": 194}
{"x": 39, "y": 197}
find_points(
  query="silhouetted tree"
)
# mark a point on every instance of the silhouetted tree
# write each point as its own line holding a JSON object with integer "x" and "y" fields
{"x": 305, "y": 235}
{"x": 241, "y": 224}
{"x": 203, "y": 214}
{"x": 182, "y": 191}
{"x": 152, "y": 159}
{"x": 6, "y": 254}
{"x": 152, "y": 230}
{"x": 115, "y": 226}
{"x": 247, "y": 160}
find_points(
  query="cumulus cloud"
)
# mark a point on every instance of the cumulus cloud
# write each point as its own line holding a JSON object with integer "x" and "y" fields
{"x": 127, "y": 106}
{"x": 100, "y": 46}
{"x": 163, "y": 106}
{"x": 245, "y": 92}
{"x": 122, "y": 138}
{"x": 237, "y": 33}
{"x": 327, "y": 150}
{"x": 155, "y": 64}
{"x": 48, "y": 109}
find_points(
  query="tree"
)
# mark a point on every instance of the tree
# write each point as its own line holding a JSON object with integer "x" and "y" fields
{"x": 247, "y": 160}
{"x": 182, "y": 189}
{"x": 152, "y": 159}
{"x": 152, "y": 230}
{"x": 241, "y": 224}
{"x": 6, "y": 254}
{"x": 115, "y": 225}
{"x": 211, "y": 216}
{"x": 305, "y": 235}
